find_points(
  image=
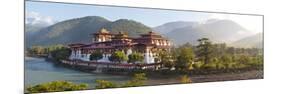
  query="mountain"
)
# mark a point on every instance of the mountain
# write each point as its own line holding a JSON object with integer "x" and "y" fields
{"x": 182, "y": 35}
{"x": 168, "y": 27}
{"x": 69, "y": 31}
{"x": 255, "y": 41}
{"x": 33, "y": 28}
{"x": 131, "y": 27}
{"x": 79, "y": 30}
{"x": 216, "y": 30}
{"x": 34, "y": 22}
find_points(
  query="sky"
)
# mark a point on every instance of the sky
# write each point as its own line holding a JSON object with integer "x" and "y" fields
{"x": 54, "y": 12}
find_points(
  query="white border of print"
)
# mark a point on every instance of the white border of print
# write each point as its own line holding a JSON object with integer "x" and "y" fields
{"x": 12, "y": 46}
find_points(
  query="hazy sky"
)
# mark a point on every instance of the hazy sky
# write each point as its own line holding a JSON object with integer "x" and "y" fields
{"x": 50, "y": 12}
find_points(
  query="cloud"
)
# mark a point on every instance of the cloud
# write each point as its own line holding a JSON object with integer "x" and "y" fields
{"x": 251, "y": 23}
{"x": 35, "y": 18}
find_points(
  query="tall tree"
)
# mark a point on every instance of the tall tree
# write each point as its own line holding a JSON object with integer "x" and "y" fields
{"x": 185, "y": 58}
{"x": 118, "y": 56}
{"x": 134, "y": 57}
{"x": 166, "y": 59}
{"x": 204, "y": 50}
{"x": 61, "y": 54}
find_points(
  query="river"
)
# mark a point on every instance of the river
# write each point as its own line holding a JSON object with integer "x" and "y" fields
{"x": 38, "y": 71}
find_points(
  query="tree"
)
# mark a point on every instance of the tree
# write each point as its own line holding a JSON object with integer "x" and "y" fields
{"x": 37, "y": 50}
{"x": 204, "y": 49}
{"x": 230, "y": 50}
{"x": 96, "y": 55}
{"x": 256, "y": 61}
{"x": 185, "y": 58}
{"x": 198, "y": 65}
{"x": 118, "y": 56}
{"x": 56, "y": 86}
{"x": 166, "y": 58}
{"x": 244, "y": 59}
{"x": 134, "y": 57}
{"x": 138, "y": 80}
{"x": 53, "y": 48}
{"x": 226, "y": 59}
{"x": 61, "y": 54}
{"x": 101, "y": 84}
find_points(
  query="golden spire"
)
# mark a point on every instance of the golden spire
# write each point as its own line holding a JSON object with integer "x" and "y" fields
{"x": 103, "y": 30}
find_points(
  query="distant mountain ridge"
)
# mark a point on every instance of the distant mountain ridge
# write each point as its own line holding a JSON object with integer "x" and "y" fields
{"x": 168, "y": 27}
{"x": 255, "y": 41}
{"x": 80, "y": 30}
{"x": 216, "y": 30}
{"x": 131, "y": 27}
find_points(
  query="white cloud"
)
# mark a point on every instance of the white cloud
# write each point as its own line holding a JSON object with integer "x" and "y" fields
{"x": 251, "y": 23}
{"x": 35, "y": 18}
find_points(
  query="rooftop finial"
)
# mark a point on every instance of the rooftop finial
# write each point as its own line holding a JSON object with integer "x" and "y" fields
{"x": 103, "y": 30}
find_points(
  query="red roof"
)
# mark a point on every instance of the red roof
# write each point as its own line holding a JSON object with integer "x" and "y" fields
{"x": 76, "y": 45}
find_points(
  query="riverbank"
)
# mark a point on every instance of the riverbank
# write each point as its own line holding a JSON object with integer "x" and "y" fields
{"x": 159, "y": 77}
{"x": 246, "y": 75}
{"x": 162, "y": 77}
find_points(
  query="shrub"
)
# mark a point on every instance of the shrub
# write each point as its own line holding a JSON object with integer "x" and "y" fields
{"x": 138, "y": 80}
{"x": 101, "y": 84}
{"x": 198, "y": 65}
{"x": 210, "y": 66}
{"x": 185, "y": 79}
{"x": 56, "y": 86}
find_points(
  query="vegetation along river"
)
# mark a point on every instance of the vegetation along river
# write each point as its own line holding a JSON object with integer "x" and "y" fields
{"x": 38, "y": 71}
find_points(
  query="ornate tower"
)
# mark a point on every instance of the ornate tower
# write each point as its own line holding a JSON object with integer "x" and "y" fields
{"x": 102, "y": 36}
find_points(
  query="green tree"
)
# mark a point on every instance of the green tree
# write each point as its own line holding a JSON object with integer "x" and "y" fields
{"x": 101, "y": 84}
{"x": 185, "y": 58}
{"x": 204, "y": 50}
{"x": 166, "y": 58}
{"x": 56, "y": 86}
{"x": 118, "y": 56}
{"x": 226, "y": 59}
{"x": 134, "y": 57}
{"x": 138, "y": 80}
{"x": 256, "y": 61}
{"x": 37, "y": 50}
{"x": 244, "y": 59}
{"x": 96, "y": 55}
{"x": 198, "y": 65}
{"x": 54, "y": 47}
{"x": 61, "y": 54}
